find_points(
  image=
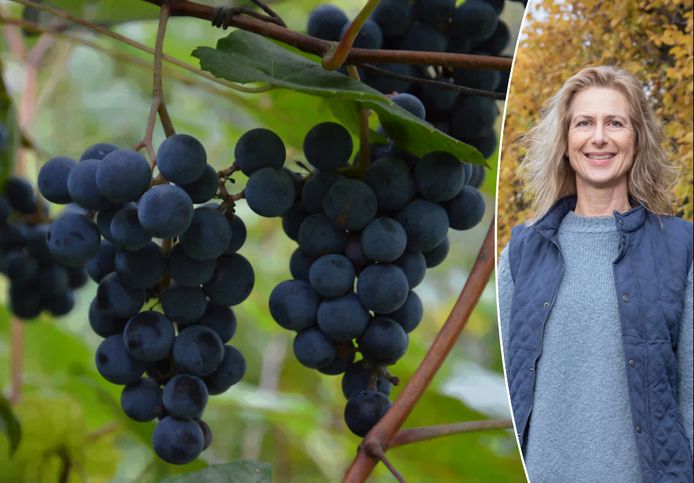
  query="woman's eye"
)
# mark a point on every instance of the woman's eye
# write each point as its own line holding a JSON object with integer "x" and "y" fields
{"x": 614, "y": 123}
{"x": 582, "y": 123}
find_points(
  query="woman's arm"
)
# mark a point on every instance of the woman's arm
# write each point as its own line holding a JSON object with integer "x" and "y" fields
{"x": 685, "y": 362}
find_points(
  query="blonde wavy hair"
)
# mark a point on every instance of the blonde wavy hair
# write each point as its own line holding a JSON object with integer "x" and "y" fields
{"x": 546, "y": 168}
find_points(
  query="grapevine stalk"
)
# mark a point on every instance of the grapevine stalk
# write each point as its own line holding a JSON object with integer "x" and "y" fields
{"x": 334, "y": 58}
{"x": 379, "y": 439}
{"x": 312, "y": 45}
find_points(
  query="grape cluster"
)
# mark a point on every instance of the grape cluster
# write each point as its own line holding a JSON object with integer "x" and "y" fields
{"x": 37, "y": 282}
{"x": 438, "y": 26}
{"x": 365, "y": 241}
{"x": 170, "y": 360}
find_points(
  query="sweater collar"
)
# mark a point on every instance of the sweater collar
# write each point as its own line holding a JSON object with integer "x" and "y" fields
{"x": 548, "y": 225}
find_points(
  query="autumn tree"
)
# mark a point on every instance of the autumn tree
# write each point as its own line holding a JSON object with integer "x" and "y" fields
{"x": 650, "y": 38}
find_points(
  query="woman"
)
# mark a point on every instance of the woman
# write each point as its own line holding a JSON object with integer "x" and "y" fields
{"x": 595, "y": 294}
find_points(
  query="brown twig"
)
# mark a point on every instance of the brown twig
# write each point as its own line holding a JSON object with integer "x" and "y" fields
{"x": 16, "y": 359}
{"x": 137, "y": 45}
{"x": 382, "y": 434}
{"x": 468, "y": 91}
{"x": 364, "y": 148}
{"x": 312, "y": 45}
{"x": 335, "y": 57}
{"x": 158, "y": 104}
{"x": 413, "y": 435}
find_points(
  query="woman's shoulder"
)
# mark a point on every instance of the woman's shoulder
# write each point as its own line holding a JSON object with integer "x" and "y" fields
{"x": 674, "y": 226}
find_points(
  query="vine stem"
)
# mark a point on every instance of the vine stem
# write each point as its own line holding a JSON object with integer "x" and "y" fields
{"x": 16, "y": 359}
{"x": 158, "y": 103}
{"x": 312, "y": 45}
{"x": 414, "y": 435}
{"x": 364, "y": 148}
{"x": 381, "y": 435}
{"x": 334, "y": 58}
{"x": 136, "y": 45}
{"x": 125, "y": 58}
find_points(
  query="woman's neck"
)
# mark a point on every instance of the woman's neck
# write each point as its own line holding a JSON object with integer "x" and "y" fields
{"x": 600, "y": 202}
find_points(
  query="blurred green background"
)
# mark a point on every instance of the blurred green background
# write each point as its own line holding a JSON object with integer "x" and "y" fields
{"x": 281, "y": 413}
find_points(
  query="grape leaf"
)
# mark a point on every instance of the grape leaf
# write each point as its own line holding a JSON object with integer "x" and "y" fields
{"x": 9, "y": 424}
{"x": 246, "y": 57}
{"x": 236, "y": 472}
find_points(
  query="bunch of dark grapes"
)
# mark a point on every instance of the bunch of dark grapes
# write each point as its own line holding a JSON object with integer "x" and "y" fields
{"x": 170, "y": 360}
{"x": 36, "y": 281}
{"x": 473, "y": 27}
{"x": 366, "y": 238}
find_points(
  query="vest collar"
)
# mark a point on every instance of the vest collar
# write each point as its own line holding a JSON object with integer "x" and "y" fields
{"x": 548, "y": 225}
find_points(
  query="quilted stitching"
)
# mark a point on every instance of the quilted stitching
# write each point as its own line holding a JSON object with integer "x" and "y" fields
{"x": 650, "y": 280}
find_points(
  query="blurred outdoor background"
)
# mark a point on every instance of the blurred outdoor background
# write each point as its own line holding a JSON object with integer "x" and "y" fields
{"x": 652, "y": 39}
{"x": 89, "y": 88}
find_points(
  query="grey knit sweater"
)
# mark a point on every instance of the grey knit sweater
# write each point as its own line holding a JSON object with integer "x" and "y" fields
{"x": 580, "y": 429}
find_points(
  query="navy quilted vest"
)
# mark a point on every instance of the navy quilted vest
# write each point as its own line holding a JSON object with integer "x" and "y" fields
{"x": 650, "y": 276}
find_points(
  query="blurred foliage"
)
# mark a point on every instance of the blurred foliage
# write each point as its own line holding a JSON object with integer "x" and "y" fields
{"x": 281, "y": 413}
{"x": 652, "y": 39}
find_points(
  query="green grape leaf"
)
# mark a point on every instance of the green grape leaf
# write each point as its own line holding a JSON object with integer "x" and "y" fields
{"x": 9, "y": 425}
{"x": 236, "y": 472}
{"x": 245, "y": 57}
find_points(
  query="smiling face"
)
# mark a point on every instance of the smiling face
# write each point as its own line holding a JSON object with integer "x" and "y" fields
{"x": 600, "y": 139}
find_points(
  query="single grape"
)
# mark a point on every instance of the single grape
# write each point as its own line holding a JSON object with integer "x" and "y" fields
{"x": 438, "y": 254}
{"x": 114, "y": 364}
{"x": 425, "y": 223}
{"x": 141, "y": 400}
{"x": 97, "y": 151}
{"x": 318, "y": 236}
{"x": 185, "y": 396}
{"x": 230, "y": 371}
{"x": 165, "y": 211}
{"x": 332, "y": 275}
{"x": 342, "y": 319}
{"x": 466, "y": 209}
{"x": 82, "y": 188}
{"x": 383, "y": 342}
{"x": 232, "y": 281}
{"x": 293, "y": 304}
{"x": 411, "y": 104}
{"x": 198, "y": 350}
{"x": 141, "y": 268}
{"x": 181, "y": 159}
{"x": 350, "y": 204}
{"x": 257, "y": 149}
{"x": 148, "y": 336}
{"x": 221, "y": 319}
{"x": 73, "y": 239}
{"x": 178, "y": 441}
{"x": 383, "y": 240}
{"x": 439, "y": 176}
{"x": 392, "y": 183}
{"x": 326, "y": 22}
{"x": 184, "y": 305}
{"x": 208, "y": 235}
{"x": 360, "y": 375}
{"x": 270, "y": 192}
{"x": 187, "y": 271}
{"x": 382, "y": 287}
{"x": 328, "y": 145}
{"x": 369, "y": 37}
{"x": 314, "y": 349}
{"x": 204, "y": 188}
{"x": 52, "y": 181}
{"x": 126, "y": 230}
{"x": 123, "y": 176}
{"x": 364, "y": 409}
{"x": 410, "y": 314}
